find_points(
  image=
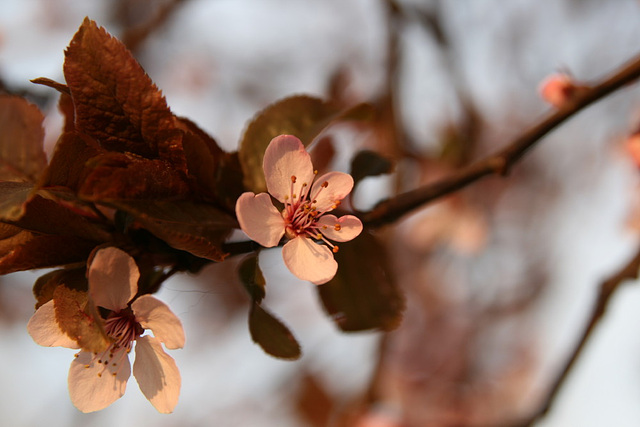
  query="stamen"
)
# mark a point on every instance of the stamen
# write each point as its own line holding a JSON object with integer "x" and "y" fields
{"x": 337, "y": 227}
{"x": 335, "y": 249}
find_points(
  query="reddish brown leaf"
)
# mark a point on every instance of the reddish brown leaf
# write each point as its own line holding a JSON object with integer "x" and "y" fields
{"x": 60, "y": 87}
{"x": 8, "y": 230}
{"x": 13, "y": 197}
{"x": 228, "y": 184}
{"x": 115, "y": 100}
{"x": 68, "y": 164}
{"x": 22, "y": 155}
{"x": 193, "y": 227}
{"x": 74, "y": 278}
{"x": 26, "y": 251}
{"x": 49, "y": 217}
{"x": 363, "y": 295}
{"x": 251, "y": 277}
{"x": 203, "y": 155}
{"x": 79, "y": 319}
{"x": 272, "y": 335}
{"x": 117, "y": 176}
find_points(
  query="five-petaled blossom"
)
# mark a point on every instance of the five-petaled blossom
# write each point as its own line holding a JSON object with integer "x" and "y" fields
{"x": 96, "y": 380}
{"x": 304, "y": 220}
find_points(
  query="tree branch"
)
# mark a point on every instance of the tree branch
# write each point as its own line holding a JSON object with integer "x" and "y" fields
{"x": 501, "y": 162}
{"x": 607, "y": 289}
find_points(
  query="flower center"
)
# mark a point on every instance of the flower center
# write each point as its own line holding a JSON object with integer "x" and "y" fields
{"x": 122, "y": 327}
{"x": 301, "y": 213}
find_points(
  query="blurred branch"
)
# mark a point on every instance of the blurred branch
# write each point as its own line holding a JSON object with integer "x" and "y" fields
{"x": 502, "y": 161}
{"x": 607, "y": 289}
{"x": 134, "y": 36}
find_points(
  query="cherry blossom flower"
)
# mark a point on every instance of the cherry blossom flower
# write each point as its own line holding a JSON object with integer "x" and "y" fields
{"x": 96, "y": 380}
{"x": 304, "y": 219}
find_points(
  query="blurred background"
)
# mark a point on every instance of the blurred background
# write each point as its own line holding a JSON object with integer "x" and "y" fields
{"x": 499, "y": 278}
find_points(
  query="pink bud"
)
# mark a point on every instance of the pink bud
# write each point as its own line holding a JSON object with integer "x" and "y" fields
{"x": 557, "y": 89}
{"x": 633, "y": 147}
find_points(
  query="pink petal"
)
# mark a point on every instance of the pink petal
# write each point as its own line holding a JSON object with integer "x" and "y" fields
{"x": 260, "y": 219}
{"x": 113, "y": 278}
{"x": 286, "y": 157}
{"x": 92, "y": 385}
{"x": 153, "y": 314}
{"x": 157, "y": 374}
{"x": 342, "y": 229}
{"x": 338, "y": 186}
{"x": 43, "y": 328}
{"x": 309, "y": 261}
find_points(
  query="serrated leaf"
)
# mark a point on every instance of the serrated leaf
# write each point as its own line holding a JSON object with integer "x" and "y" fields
{"x": 27, "y": 251}
{"x": 50, "y": 217}
{"x": 302, "y": 116}
{"x": 115, "y": 100}
{"x": 8, "y": 230}
{"x": 67, "y": 167}
{"x": 272, "y": 335}
{"x": 203, "y": 156}
{"x": 363, "y": 295}
{"x": 79, "y": 319}
{"x": 22, "y": 156}
{"x": 13, "y": 197}
{"x": 46, "y": 284}
{"x": 193, "y": 227}
{"x": 118, "y": 176}
{"x": 369, "y": 163}
{"x": 252, "y": 278}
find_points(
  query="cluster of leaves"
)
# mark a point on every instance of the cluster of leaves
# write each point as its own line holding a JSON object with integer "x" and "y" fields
{"x": 127, "y": 172}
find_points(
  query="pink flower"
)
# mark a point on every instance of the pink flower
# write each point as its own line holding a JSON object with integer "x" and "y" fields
{"x": 97, "y": 380}
{"x": 304, "y": 220}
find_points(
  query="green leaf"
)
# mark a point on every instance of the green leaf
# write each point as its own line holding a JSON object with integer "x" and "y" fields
{"x": 79, "y": 319}
{"x": 252, "y": 278}
{"x": 302, "y": 116}
{"x": 13, "y": 197}
{"x": 363, "y": 295}
{"x": 369, "y": 163}
{"x": 22, "y": 156}
{"x": 193, "y": 227}
{"x": 272, "y": 335}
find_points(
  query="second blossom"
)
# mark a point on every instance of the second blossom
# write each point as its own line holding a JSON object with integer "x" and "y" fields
{"x": 304, "y": 219}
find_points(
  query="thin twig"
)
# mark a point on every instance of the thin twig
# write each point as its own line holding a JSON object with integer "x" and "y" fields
{"x": 133, "y": 37}
{"x": 607, "y": 289}
{"x": 501, "y": 162}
